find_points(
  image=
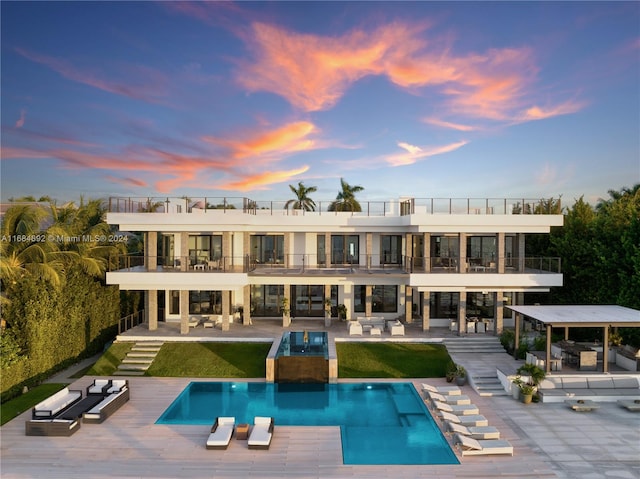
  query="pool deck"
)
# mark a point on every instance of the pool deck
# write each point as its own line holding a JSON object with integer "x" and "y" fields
{"x": 550, "y": 441}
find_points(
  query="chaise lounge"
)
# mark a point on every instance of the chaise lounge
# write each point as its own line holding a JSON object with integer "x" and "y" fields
{"x": 457, "y": 409}
{"x": 458, "y": 399}
{"x": 221, "y": 433}
{"x": 444, "y": 390}
{"x": 475, "y": 420}
{"x": 474, "y": 447}
{"x": 261, "y": 433}
{"x": 475, "y": 432}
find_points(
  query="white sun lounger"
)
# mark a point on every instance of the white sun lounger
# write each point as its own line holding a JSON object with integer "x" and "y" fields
{"x": 474, "y": 447}
{"x": 444, "y": 390}
{"x": 475, "y": 432}
{"x": 476, "y": 420}
{"x": 261, "y": 433}
{"x": 460, "y": 399}
{"x": 457, "y": 409}
{"x": 221, "y": 433}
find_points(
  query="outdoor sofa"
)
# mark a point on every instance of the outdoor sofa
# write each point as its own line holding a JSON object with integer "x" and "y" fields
{"x": 221, "y": 433}
{"x": 261, "y": 433}
{"x": 51, "y": 427}
{"x": 117, "y": 395}
{"x": 609, "y": 388}
{"x": 55, "y": 404}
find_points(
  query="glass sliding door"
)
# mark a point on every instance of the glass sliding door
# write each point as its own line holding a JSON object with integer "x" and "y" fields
{"x": 267, "y": 249}
{"x": 391, "y": 249}
{"x": 345, "y": 249}
{"x": 307, "y": 300}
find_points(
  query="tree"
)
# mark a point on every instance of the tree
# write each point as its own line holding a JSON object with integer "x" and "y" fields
{"x": 302, "y": 200}
{"x": 346, "y": 199}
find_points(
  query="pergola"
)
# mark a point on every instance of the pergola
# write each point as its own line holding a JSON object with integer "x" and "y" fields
{"x": 576, "y": 316}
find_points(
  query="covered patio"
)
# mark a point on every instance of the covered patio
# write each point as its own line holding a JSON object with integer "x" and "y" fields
{"x": 576, "y": 316}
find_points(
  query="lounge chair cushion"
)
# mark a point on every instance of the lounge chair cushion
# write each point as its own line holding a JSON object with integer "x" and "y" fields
{"x": 221, "y": 433}
{"x": 475, "y": 432}
{"x": 600, "y": 383}
{"x": 575, "y": 383}
{"x": 444, "y": 390}
{"x": 117, "y": 385}
{"x": 460, "y": 399}
{"x": 458, "y": 409}
{"x": 98, "y": 386}
{"x": 622, "y": 382}
{"x": 56, "y": 403}
{"x": 476, "y": 420}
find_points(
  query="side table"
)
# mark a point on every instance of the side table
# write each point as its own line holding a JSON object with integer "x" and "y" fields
{"x": 242, "y": 431}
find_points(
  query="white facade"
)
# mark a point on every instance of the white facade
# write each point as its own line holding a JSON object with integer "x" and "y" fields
{"x": 405, "y": 261}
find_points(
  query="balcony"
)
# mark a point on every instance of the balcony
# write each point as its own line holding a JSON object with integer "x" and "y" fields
{"x": 314, "y": 265}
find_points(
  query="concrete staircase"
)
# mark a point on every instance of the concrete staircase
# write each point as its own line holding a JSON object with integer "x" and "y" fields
{"x": 139, "y": 358}
{"x": 472, "y": 352}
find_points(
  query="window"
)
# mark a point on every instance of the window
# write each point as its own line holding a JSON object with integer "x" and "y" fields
{"x": 480, "y": 305}
{"x": 266, "y": 300}
{"x": 444, "y": 250}
{"x": 384, "y": 299}
{"x": 321, "y": 250}
{"x": 205, "y": 302}
{"x": 444, "y": 305}
{"x": 359, "y": 298}
{"x": 481, "y": 250}
{"x": 267, "y": 248}
{"x": 391, "y": 249}
{"x": 174, "y": 302}
{"x": 345, "y": 249}
{"x": 308, "y": 300}
{"x": 203, "y": 248}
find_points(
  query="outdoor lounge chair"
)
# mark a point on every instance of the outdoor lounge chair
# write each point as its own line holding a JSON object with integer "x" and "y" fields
{"x": 475, "y": 432}
{"x": 460, "y": 399}
{"x": 444, "y": 390}
{"x": 193, "y": 322}
{"x": 457, "y": 409}
{"x": 474, "y": 447}
{"x": 355, "y": 328}
{"x": 261, "y": 433}
{"x": 221, "y": 433}
{"x": 476, "y": 420}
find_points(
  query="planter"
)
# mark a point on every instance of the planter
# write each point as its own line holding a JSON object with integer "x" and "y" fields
{"x": 526, "y": 398}
{"x": 515, "y": 391}
{"x": 327, "y": 321}
{"x": 286, "y": 320}
{"x": 461, "y": 380}
{"x": 612, "y": 355}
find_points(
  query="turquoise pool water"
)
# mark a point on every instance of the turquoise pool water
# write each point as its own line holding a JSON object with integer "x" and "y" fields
{"x": 380, "y": 423}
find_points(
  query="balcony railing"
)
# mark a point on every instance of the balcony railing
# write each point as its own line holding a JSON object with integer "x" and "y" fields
{"x": 312, "y": 264}
{"x": 402, "y": 207}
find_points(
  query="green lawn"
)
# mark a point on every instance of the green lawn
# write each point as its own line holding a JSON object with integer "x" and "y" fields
{"x": 17, "y": 406}
{"x": 391, "y": 360}
{"x": 109, "y": 361}
{"x": 215, "y": 360}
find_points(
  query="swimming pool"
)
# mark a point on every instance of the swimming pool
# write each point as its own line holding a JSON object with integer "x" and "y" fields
{"x": 380, "y": 423}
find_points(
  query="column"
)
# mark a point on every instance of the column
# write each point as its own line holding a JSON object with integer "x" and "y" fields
{"x": 327, "y": 250}
{"x": 521, "y": 252}
{"x": 516, "y": 341}
{"x": 498, "y": 314}
{"x": 226, "y": 309}
{"x": 605, "y": 349}
{"x": 288, "y": 257}
{"x": 369, "y": 250}
{"x": 151, "y": 308}
{"x": 547, "y": 362}
{"x": 227, "y": 261}
{"x": 462, "y": 313}
{"x": 246, "y": 305}
{"x": 462, "y": 266}
{"x": 184, "y": 251}
{"x": 408, "y": 254}
{"x": 426, "y": 252}
{"x": 501, "y": 259}
{"x": 286, "y": 319}
{"x": 368, "y": 306}
{"x": 426, "y": 309}
{"x": 151, "y": 250}
{"x": 408, "y": 304}
{"x": 184, "y": 311}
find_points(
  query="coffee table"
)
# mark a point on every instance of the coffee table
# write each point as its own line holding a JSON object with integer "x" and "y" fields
{"x": 582, "y": 405}
{"x": 242, "y": 431}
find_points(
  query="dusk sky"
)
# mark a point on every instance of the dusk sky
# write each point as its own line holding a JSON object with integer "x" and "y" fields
{"x": 422, "y": 99}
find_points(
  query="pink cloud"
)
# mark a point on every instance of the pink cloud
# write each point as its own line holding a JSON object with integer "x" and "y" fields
{"x": 261, "y": 180}
{"x": 127, "y": 181}
{"x": 144, "y": 84}
{"x": 20, "y": 121}
{"x": 414, "y": 153}
{"x": 448, "y": 124}
{"x": 538, "y": 113}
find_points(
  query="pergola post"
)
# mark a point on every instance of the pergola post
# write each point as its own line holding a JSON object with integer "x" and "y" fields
{"x": 605, "y": 349}
{"x": 516, "y": 341}
{"x": 547, "y": 362}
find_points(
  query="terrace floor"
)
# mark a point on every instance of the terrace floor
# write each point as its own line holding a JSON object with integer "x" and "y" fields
{"x": 550, "y": 440}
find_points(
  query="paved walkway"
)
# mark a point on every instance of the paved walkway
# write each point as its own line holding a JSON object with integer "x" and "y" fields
{"x": 550, "y": 441}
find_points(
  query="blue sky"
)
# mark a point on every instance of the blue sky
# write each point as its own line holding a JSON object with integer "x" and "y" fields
{"x": 423, "y": 99}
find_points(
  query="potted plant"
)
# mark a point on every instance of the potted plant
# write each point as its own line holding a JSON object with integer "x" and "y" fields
{"x": 342, "y": 312}
{"x": 526, "y": 392}
{"x": 536, "y": 374}
{"x": 450, "y": 372}
{"x": 515, "y": 386}
{"x": 461, "y": 375}
{"x": 615, "y": 340}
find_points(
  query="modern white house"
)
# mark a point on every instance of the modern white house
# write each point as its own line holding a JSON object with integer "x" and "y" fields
{"x": 442, "y": 262}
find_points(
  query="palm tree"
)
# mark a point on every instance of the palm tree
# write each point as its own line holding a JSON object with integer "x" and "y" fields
{"x": 302, "y": 201}
{"x": 346, "y": 199}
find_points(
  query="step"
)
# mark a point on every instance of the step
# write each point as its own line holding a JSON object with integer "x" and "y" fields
{"x": 147, "y": 354}
{"x": 128, "y": 373}
{"x": 148, "y": 349}
{"x": 128, "y": 360}
{"x": 133, "y": 367}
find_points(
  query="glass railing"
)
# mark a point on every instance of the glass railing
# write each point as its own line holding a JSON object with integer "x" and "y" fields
{"x": 314, "y": 264}
{"x": 401, "y": 207}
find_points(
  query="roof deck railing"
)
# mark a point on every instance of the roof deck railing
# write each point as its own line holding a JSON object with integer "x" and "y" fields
{"x": 401, "y": 207}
